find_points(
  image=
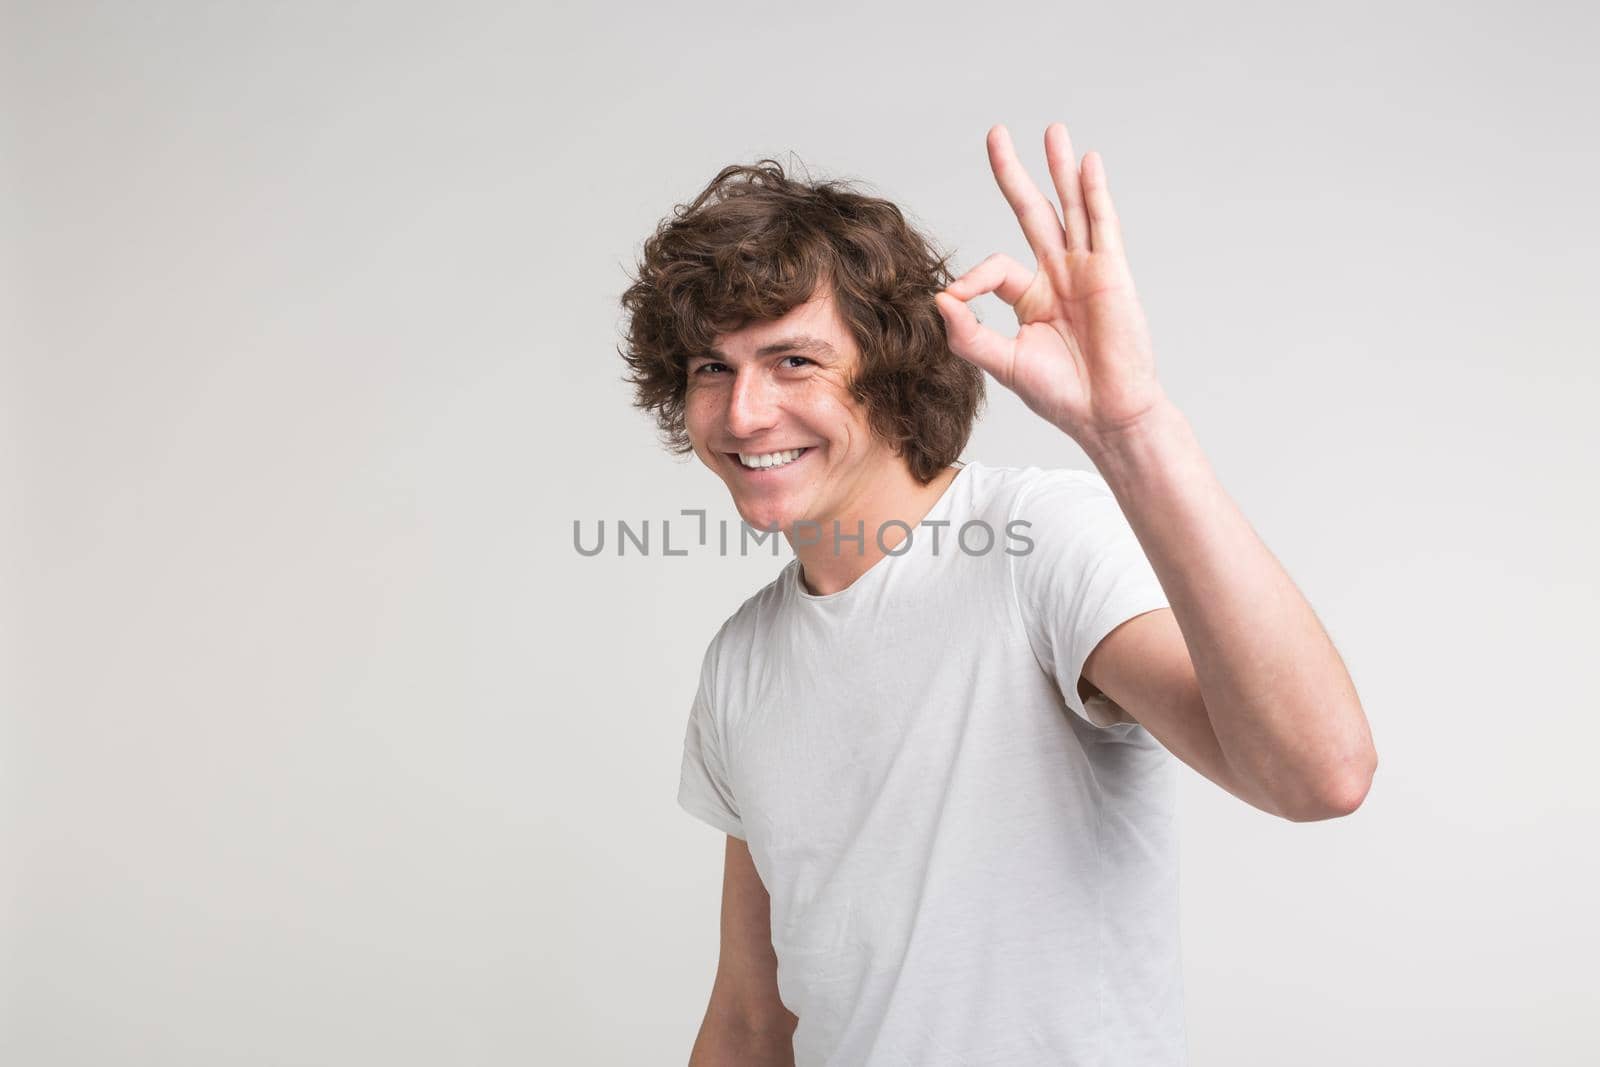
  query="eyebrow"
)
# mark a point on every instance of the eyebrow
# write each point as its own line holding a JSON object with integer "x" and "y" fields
{"x": 798, "y": 343}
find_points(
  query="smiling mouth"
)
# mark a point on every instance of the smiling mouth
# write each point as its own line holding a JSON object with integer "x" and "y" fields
{"x": 771, "y": 461}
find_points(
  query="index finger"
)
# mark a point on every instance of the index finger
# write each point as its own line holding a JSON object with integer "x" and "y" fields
{"x": 1040, "y": 224}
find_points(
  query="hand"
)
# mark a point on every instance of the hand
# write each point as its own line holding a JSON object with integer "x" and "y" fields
{"x": 1081, "y": 357}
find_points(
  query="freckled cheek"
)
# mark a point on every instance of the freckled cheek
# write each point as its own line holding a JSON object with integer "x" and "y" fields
{"x": 699, "y": 417}
{"x": 838, "y": 422}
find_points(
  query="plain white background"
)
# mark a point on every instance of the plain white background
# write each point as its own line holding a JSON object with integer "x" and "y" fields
{"x": 323, "y": 745}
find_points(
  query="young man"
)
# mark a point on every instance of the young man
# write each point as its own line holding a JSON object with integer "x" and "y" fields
{"x": 943, "y": 756}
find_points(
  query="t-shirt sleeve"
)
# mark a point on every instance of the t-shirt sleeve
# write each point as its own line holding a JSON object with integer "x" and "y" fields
{"x": 1084, "y": 576}
{"x": 704, "y": 789}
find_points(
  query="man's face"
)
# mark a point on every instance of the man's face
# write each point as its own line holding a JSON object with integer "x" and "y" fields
{"x": 777, "y": 387}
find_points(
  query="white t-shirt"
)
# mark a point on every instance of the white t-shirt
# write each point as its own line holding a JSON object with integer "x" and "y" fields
{"x": 965, "y": 865}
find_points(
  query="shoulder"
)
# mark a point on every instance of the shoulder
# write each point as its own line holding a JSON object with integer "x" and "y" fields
{"x": 752, "y": 621}
{"x": 1020, "y": 492}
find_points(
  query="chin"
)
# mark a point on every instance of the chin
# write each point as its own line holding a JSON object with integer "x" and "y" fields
{"x": 764, "y": 515}
{"x": 765, "y": 519}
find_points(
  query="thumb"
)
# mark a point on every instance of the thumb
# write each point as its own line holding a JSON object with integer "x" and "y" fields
{"x": 973, "y": 341}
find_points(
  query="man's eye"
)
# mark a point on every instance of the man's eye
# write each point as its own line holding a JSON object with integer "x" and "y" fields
{"x": 704, "y": 367}
{"x": 802, "y": 359}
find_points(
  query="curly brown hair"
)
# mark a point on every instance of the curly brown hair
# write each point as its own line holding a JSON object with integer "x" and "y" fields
{"x": 755, "y": 244}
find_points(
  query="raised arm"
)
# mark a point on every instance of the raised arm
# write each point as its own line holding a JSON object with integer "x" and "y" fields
{"x": 1247, "y": 686}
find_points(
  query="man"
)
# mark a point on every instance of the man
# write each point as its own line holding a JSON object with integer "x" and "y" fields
{"x": 944, "y": 769}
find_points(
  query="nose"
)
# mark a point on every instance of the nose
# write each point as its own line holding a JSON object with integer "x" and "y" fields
{"x": 752, "y": 407}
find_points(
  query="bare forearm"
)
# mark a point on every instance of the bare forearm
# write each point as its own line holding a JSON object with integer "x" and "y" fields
{"x": 1282, "y": 704}
{"x": 724, "y": 1045}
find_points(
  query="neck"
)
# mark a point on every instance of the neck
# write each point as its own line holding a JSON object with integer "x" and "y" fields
{"x": 828, "y": 565}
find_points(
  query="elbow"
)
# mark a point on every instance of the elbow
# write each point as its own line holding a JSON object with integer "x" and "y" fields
{"x": 1335, "y": 794}
{"x": 1331, "y": 804}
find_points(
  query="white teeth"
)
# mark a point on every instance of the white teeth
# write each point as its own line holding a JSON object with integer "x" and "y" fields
{"x": 770, "y": 459}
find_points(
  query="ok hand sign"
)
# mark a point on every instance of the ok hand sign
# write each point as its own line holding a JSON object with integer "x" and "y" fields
{"x": 1081, "y": 357}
